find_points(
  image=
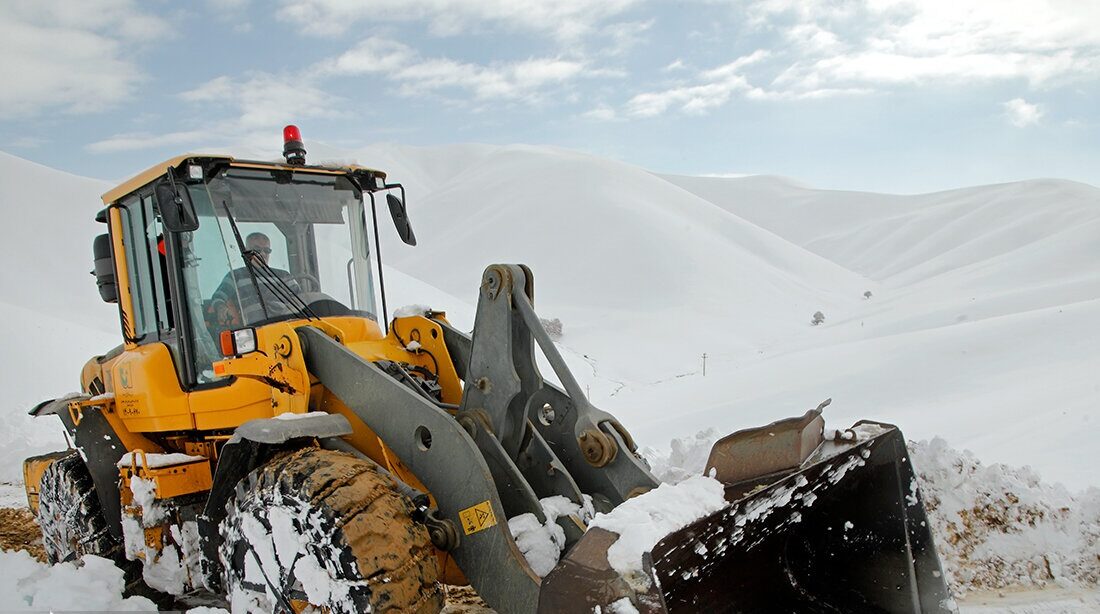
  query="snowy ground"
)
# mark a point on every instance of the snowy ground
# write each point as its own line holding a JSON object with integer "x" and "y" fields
{"x": 980, "y": 328}
{"x": 1049, "y": 601}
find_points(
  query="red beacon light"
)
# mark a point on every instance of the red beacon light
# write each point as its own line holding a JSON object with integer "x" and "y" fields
{"x": 293, "y": 149}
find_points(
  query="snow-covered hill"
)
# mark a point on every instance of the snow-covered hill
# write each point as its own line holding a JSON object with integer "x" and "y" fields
{"x": 980, "y": 328}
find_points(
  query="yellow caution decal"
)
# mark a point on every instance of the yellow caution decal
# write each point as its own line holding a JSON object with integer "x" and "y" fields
{"x": 477, "y": 518}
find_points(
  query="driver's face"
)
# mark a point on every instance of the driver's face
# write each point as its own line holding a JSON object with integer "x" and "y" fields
{"x": 260, "y": 246}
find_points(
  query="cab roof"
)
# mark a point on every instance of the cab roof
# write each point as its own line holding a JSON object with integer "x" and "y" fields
{"x": 156, "y": 171}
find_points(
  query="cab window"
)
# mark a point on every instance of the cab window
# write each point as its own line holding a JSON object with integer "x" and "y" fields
{"x": 141, "y": 234}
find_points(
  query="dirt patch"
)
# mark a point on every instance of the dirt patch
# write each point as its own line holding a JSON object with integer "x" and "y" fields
{"x": 19, "y": 531}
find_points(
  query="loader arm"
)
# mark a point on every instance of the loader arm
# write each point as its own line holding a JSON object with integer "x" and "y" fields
{"x": 593, "y": 446}
{"x": 443, "y": 457}
{"x": 514, "y": 440}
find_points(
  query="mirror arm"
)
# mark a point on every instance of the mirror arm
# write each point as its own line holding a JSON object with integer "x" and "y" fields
{"x": 171, "y": 173}
{"x": 378, "y": 256}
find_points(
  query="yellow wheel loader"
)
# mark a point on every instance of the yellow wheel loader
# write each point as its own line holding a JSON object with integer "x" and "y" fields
{"x": 266, "y": 432}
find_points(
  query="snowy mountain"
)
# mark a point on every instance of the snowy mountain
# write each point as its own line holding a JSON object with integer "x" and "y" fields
{"x": 980, "y": 328}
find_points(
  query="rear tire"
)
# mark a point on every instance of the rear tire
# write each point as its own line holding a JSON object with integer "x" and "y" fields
{"x": 70, "y": 515}
{"x": 327, "y": 529}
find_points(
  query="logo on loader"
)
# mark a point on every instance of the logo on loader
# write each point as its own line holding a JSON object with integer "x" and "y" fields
{"x": 477, "y": 518}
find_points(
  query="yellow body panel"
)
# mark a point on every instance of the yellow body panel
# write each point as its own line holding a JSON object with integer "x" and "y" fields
{"x": 230, "y": 406}
{"x": 147, "y": 392}
{"x": 32, "y": 475}
{"x": 157, "y": 171}
{"x": 146, "y": 177}
{"x": 122, "y": 279}
{"x": 170, "y": 481}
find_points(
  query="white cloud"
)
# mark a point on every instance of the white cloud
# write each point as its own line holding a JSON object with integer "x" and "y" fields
{"x": 1021, "y": 113}
{"x": 374, "y": 55}
{"x": 714, "y": 88}
{"x": 75, "y": 56}
{"x": 620, "y": 38}
{"x": 264, "y": 101}
{"x": 135, "y": 141}
{"x": 826, "y": 48}
{"x": 882, "y": 43}
{"x": 524, "y": 80}
{"x": 562, "y": 19}
{"x": 254, "y": 108}
{"x": 602, "y": 113}
{"x": 27, "y": 142}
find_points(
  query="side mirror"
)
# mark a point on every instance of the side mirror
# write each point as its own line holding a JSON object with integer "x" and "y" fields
{"x": 104, "y": 269}
{"x": 401, "y": 219}
{"x": 176, "y": 209}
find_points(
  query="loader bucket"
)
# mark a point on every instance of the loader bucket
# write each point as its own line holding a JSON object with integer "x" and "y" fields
{"x": 843, "y": 530}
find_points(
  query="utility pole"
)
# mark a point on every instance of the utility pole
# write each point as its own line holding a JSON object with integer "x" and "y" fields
{"x": 704, "y": 364}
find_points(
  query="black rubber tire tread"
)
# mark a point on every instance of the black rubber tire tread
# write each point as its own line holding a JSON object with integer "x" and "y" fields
{"x": 372, "y": 536}
{"x": 70, "y": 515}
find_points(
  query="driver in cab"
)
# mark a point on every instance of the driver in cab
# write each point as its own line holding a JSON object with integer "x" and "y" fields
{"x": 237, "y": 302}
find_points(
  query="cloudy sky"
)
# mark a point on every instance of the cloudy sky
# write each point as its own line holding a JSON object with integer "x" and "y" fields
{"x": 886, "y": 95}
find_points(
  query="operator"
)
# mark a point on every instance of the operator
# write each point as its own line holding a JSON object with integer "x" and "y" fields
{"x": 252, "y": 306}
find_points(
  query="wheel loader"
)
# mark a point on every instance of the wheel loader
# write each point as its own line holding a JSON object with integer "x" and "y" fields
{"x": 270, "y": 433}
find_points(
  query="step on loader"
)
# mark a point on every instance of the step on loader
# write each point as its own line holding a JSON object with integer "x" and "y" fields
{"x": 267, "y": 432}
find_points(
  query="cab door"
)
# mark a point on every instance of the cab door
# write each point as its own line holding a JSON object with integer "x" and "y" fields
{"x": 145, "y": 377}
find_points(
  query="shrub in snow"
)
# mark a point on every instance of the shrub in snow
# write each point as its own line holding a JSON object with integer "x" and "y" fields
{"x": 867, "y": 294}
{"x": 553, "y": 327}
{"x": 818, "y": 318}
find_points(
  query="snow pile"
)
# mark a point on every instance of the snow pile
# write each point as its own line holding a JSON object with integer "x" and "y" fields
{"x": 622, "y": 606}
{"x": 542, "y": 544}
{"x": 93, "y": 584}
{"x": 688, "y": 456}
{"x": 156, "y": 460}
{"x": 995, "y": 526}
{"x": 642, "y": 521}
{"x": 998, "y": 526}
{"x": 407, "y": 311}
{"x": 174, "y": 567}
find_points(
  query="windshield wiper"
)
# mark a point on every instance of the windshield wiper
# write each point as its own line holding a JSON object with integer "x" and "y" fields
{"x": 257, "y": 268}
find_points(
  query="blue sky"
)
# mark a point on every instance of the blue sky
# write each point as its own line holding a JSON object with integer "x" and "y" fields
{"x": 885, "y": 95}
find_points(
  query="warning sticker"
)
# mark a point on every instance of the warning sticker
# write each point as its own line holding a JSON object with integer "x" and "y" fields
{"x": 477, "y": 518}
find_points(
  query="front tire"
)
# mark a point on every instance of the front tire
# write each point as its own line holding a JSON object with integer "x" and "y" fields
{"x": 324, "y": 528}
{"x": 70, "y": 515}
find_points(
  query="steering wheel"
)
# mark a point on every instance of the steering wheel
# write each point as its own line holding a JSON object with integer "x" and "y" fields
{"x": 314, "y": 282}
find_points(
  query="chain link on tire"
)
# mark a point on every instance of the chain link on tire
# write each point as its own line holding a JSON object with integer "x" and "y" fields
{"x": 70, "y": 515}
{"x": 326, "y": 529}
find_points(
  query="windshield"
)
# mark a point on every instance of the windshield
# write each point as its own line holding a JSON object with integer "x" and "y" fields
{"x": 306, "y": 236}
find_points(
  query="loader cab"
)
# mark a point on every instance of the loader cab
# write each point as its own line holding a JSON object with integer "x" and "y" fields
{"x": 211, "y": 244}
